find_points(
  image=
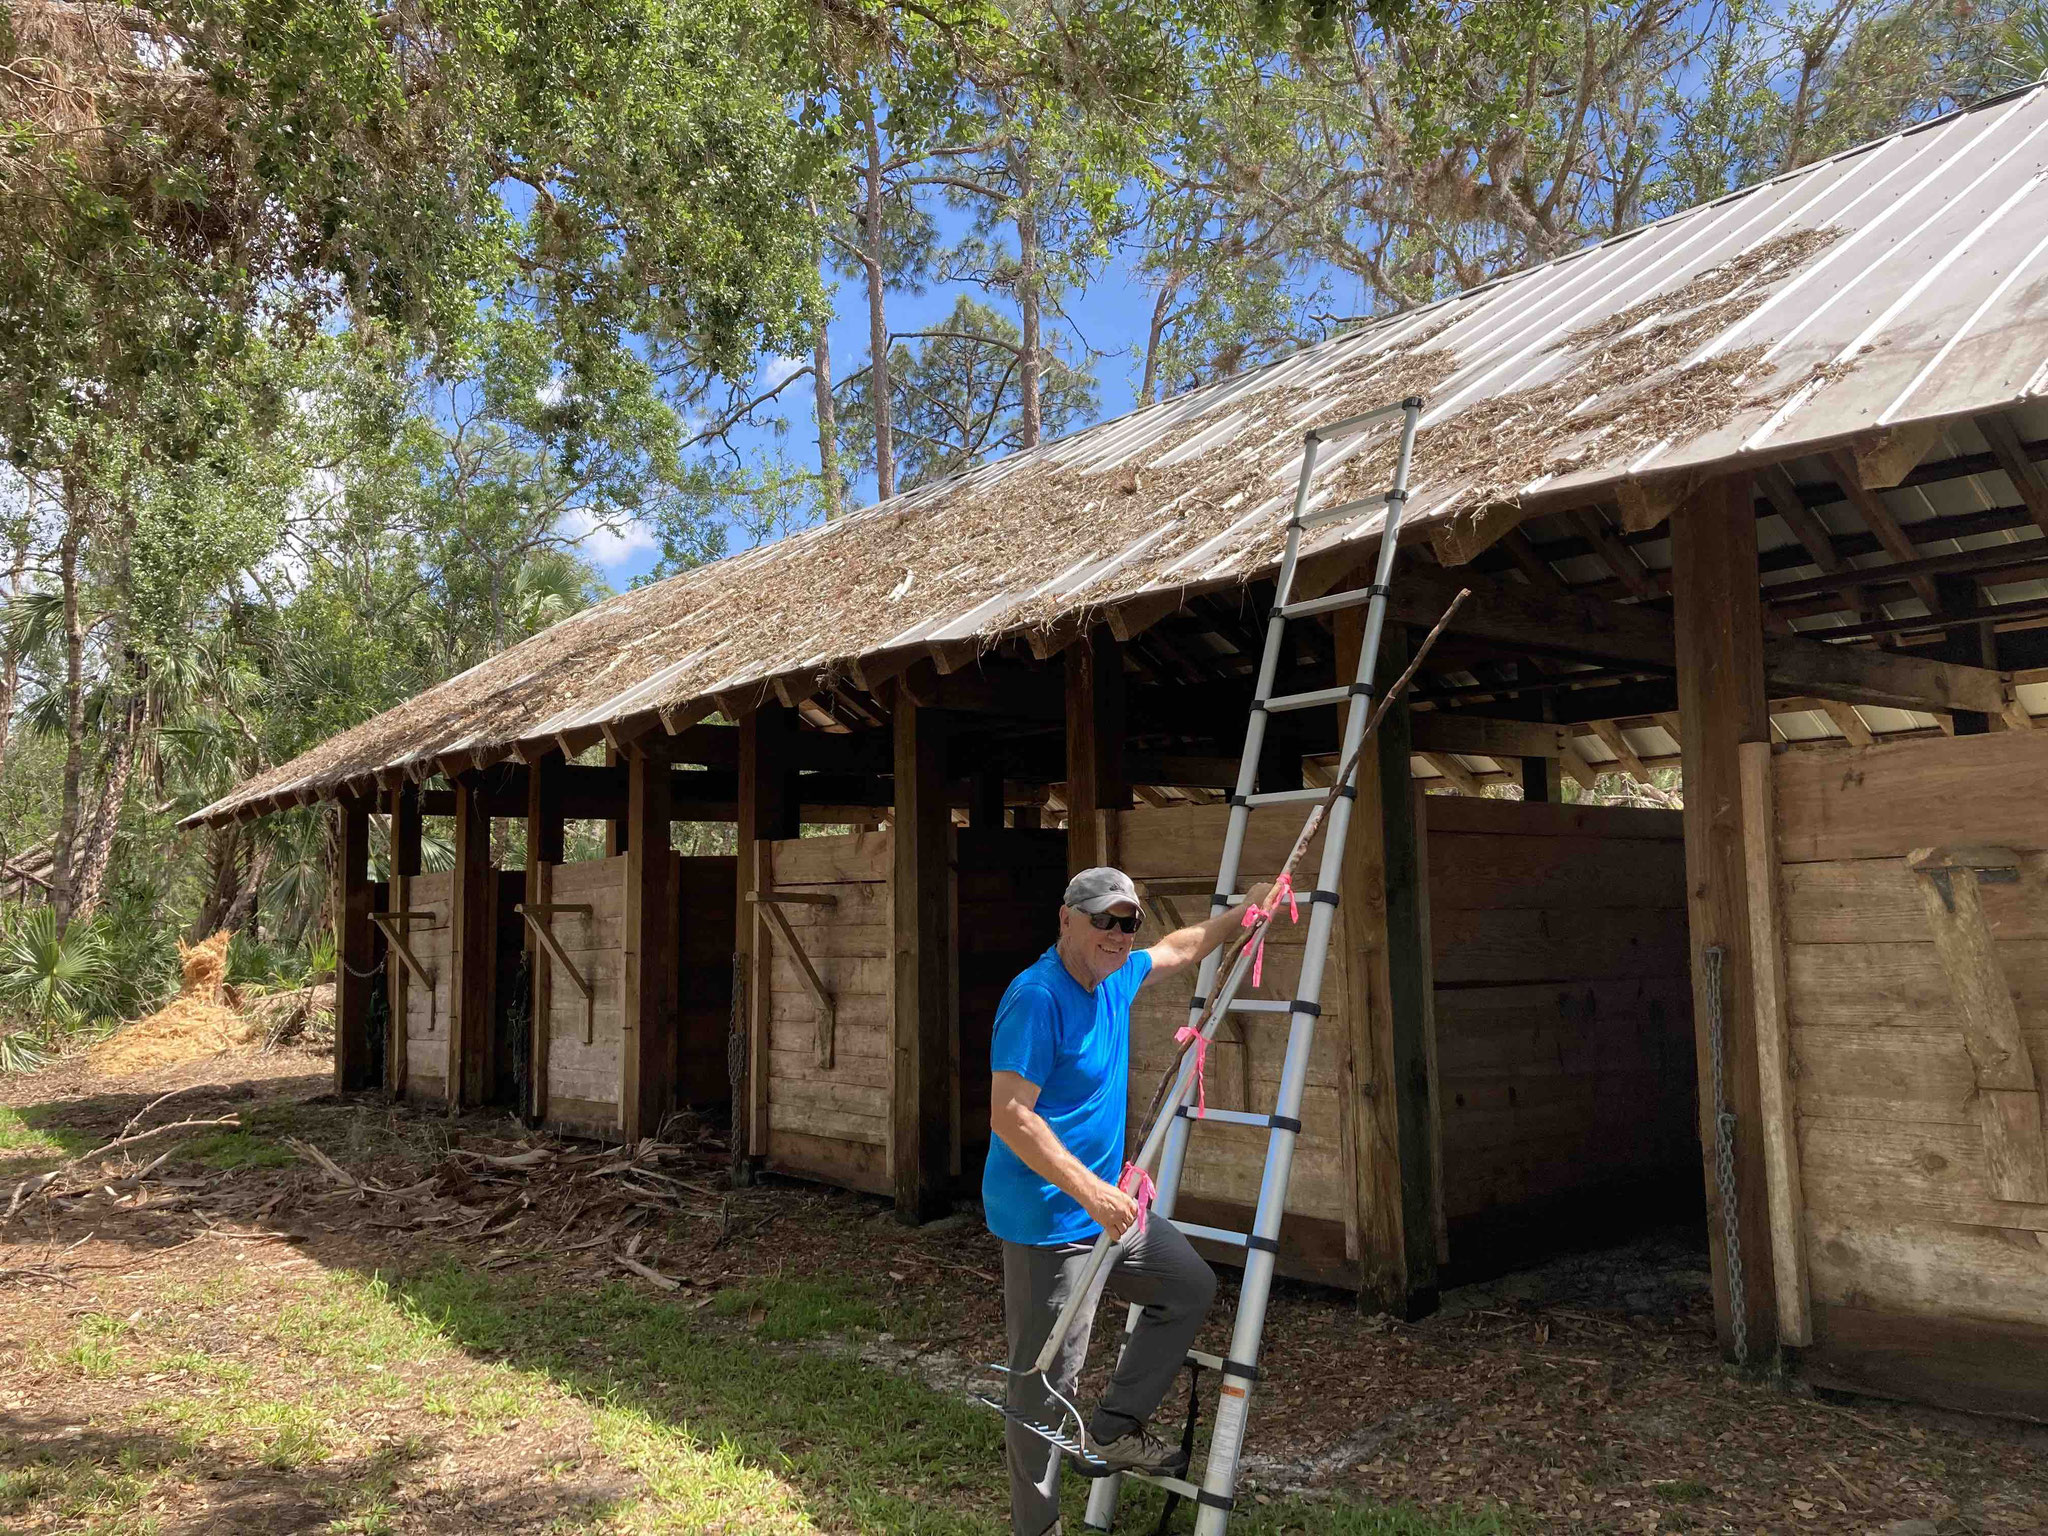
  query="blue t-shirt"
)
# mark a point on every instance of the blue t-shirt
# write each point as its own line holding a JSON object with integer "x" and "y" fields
{"x": 1076, "y": 1046}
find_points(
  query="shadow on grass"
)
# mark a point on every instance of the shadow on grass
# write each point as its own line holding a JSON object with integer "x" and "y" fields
{"x": 93, "y": 1480}
{"x": 862, "y": 1446}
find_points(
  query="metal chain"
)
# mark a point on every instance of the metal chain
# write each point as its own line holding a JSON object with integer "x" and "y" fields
{"x": 1724, "y": 1153}
{"x": 736, "y": 1058}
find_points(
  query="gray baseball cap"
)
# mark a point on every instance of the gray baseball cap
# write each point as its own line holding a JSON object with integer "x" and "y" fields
{"x": 1097, "y": 890}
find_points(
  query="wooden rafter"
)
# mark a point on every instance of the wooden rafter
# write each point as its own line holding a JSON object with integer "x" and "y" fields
{"x": 1447, "y": 764}
{"x": 1541, "y": 575}
{"x": 2018, "y": 464}
{"x": 1625, "y": 756}
{"x": 1877, "y": 517}
{"x": 1626, "y": 564}
{"x": 1847, "y": 721}
{"x": 1808, "y": 529}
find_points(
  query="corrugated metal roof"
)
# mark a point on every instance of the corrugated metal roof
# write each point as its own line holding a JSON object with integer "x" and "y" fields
{"x": 1900, "y": 282}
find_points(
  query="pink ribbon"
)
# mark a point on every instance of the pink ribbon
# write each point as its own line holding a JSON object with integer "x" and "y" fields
{"x": 1254, "y": 914}
{"x": 1188, "y": 1034}
{"x": 1137, "y": 1183}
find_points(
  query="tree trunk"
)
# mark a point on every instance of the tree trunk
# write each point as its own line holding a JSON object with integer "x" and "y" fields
{"x": 1160, "y": 308}
{"x": 878, "y": 316}
{"x": 96, "y": 852}
{"x": 74, "y": 705}
{"x": 224, "y": 848}
{"x": 241, "y": 912}
{"x": 1031, "y": 425}
{"x": 10, "y": 658}
{"x": 828, "y": 427}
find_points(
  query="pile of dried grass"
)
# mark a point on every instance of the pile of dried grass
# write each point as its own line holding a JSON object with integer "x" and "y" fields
{"x": 193, "y": 1024}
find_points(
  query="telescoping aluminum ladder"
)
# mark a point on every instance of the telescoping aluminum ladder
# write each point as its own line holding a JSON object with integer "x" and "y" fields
{"x": 1215, "y": 1495}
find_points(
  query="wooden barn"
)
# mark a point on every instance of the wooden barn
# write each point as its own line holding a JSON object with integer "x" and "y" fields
{"x": 1756, "y": 493}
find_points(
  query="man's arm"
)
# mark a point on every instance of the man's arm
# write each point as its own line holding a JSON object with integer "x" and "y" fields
{"x": 1013, "y": 1116}
{"x": 1186, "y": 946}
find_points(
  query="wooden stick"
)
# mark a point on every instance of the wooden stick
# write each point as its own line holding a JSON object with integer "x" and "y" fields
{"x": 1257, "y": 932}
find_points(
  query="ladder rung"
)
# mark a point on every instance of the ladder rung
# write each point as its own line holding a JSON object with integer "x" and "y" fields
{"x": 1286, "y": 701}
{"x": 1342, "y": 509}
{"x": 1261, "y": 1005}
{"x": 1226, "y": 1116}
{"x": 1337, "y": 431}
{"x": 1354, "y": 598}
{"x": 1241, "y": 1117}
{"x": 1176, "y": 1485}
{"x": 1214, "y": 1234}
{"x": 1286, "y": 797}
{"x": 1206, "y": 1361}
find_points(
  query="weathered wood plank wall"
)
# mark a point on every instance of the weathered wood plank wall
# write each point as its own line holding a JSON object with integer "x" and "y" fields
{"x": 831, "y": 1124}
{"x": 583, "y": 1078}
{"x": 1221, "y": 1182}
{"x": 1923, "y": 1283}
{"x": 1564, "y": 1024}
{"x": 426, "y": 1014}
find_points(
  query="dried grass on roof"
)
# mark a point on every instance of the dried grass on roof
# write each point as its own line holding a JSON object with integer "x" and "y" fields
{"x": 821, "y": 599}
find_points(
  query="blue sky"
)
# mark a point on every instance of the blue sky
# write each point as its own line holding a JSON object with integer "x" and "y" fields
{"x": 1111, "y": 317}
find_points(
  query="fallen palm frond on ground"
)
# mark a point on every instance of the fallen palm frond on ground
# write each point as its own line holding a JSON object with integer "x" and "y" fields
{"x": 475, "y": 1195}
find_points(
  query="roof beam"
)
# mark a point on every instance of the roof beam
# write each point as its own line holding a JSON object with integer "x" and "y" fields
{"x": 1477, "y": 736}
{"x": 1549, "y": 625}
{"x": 1855, "y": 675}
{"x": 2019, "y": 466}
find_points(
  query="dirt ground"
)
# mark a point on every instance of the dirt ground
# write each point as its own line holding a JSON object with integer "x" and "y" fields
{"x": 288, "y": 1324}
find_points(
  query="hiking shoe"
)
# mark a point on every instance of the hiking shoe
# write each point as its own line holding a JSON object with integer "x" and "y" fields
{"x": 1139, "y": 1451}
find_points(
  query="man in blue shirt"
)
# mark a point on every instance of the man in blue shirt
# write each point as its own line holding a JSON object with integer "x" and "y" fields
{"x": 1061, "y": 1058}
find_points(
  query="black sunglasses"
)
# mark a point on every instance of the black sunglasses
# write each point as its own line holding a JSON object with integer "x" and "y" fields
{"x": 1105, "y": 921}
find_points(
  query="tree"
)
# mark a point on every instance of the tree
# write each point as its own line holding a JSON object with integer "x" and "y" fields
{"x": 959, "y": 396}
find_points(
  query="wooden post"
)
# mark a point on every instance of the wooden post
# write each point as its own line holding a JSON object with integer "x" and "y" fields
{"x": 1719, "y": 623}
{"x": 1542, "y": 779}
{"x": 648, "y": 1008}
{"x": 472, "y": 941}
{"x": 1095, "y": 749}
{"x": 405, "y": 864}
{"x": 921, "y": 1006}
{"x": 985, "y": 814}
{"x": 615, "y": 834}
{"x": 1958, "y": 594}
{"x": 543, "y": 853}
{"x": 355, "y": 947}
{"x": 1388, "y": 1009}
{"x": 767, "y": 810}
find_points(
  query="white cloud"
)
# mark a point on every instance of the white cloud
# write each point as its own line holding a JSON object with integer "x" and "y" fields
{"x": 554, "y": 392}
{"x": 611, "y": 545}
{"x": 779, "y": 370}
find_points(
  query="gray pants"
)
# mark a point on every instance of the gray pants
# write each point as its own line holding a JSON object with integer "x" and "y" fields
{"x": 1160, "y": 1272}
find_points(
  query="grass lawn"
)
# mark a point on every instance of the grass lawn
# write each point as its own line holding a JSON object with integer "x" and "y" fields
{"x": 745, "y": 1411}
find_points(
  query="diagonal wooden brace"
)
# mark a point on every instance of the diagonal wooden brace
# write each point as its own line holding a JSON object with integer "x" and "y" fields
{"x": 771, "y": 904}
{"x": 2010, "y": 1110}
{"x": 396, "y": 931}
{"x": 538, "y": 918}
